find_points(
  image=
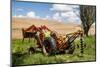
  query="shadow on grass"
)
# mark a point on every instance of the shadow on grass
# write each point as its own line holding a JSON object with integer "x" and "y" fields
{"x": 24, "y": 58}
{"x": 18, "y": 58}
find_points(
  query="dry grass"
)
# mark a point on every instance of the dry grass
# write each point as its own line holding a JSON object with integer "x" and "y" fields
{"x": 61, "y": 28}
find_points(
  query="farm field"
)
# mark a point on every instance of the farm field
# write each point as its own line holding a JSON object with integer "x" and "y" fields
{"x": 19, "y": 49}
{"x": 21, "y": 57}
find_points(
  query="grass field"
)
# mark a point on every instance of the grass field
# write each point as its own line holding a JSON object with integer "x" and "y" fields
{"x": 20, "y": 56}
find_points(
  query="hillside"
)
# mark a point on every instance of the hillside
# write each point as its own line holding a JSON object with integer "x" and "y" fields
{"x": 59, "y": 27}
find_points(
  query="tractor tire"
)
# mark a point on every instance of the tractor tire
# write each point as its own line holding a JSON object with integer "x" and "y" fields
{"x": 71, "y": 49}
{"x": 50, "y": 46}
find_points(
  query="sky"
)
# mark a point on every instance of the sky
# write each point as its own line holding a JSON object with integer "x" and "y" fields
{"x": 59, "y": 12}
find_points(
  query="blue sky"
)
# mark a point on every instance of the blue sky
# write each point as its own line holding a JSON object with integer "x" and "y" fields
{"x": 24, "y": 7}
{"x": 59, "y": 12}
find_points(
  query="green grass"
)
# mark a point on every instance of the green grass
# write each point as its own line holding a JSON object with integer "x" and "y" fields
{"x": 38, "y": 58}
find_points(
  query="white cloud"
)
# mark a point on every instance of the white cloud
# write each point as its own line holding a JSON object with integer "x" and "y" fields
{"x": 74, "y": 6}
{"x": 73, "y": 19}
{"x": 70, "y": 16}
{"x": 19, "y": 16}
{"x": 19, "y": 9}
{"x": 46, "y": 17}
{"x": 66, "y": 13}
{"x": 31, "y": 14}
{"x": 66, "y": 17}
{"x": 57, "y": 16}
{"x": 57, "y": 7}
{"x": 61, "y": 7}
{"x": 38, "y": 17}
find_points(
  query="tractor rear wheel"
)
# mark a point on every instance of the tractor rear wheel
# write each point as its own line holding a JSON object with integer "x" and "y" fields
{"x": 50, "y": 46}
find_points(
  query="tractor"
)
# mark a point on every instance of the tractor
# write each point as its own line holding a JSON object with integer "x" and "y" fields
{"x": 64, "y": 44}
